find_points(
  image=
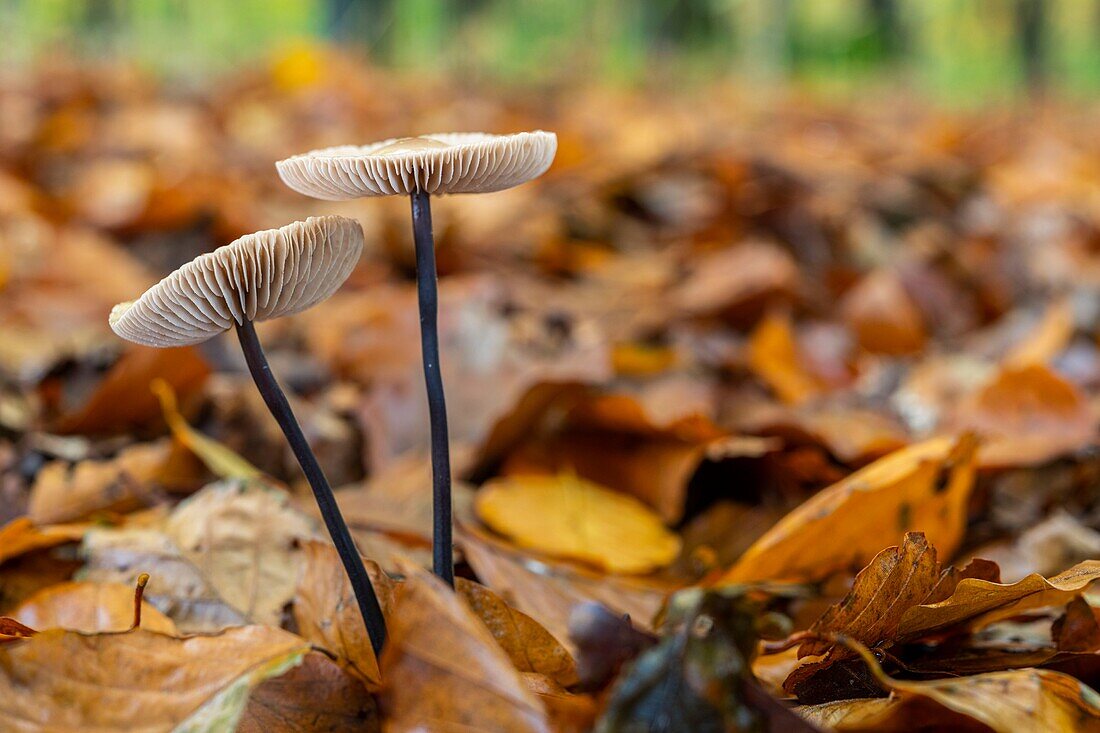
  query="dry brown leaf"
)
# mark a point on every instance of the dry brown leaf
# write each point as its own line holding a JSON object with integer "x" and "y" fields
{"x": 774, "y": 357}
{"x": 977, "y": 603}
{"x": 327, "y": 612}
{"x": 897, "y": 579}
{"x": 740, "y": 281}
{"x": 62, "y": 681}
{"x": 317, "y": 696}
{"x": 1027, "y": 415}
{"x": 64, "y": 492}
{"x": 90, "y": 608}
{"x": 566, "y": 516}
{"x": 122, "y": 402}
{"x": 883, "y": 317}
{"x": 530, "y": 647}
{"x": 924, "y": 487}
{"x": 443, "y": 670}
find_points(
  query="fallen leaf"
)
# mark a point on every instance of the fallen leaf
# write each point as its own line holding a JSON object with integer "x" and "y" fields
{"x": 568, "y": 713}
{"x": 566, "y": 516}
{"x": 549, "y": 592}
{"x": 977, "y": 602}
{"x": 64, "y": 492}
{"x": 60, "y": 681}
{"x": 327, "y": 613}
{"x": 530, "y": 647}
{"x": 1049, "y": 337}
{"x": 21, "y": 535}
{"x": 317, "y": 696}
{"x": 176, "y": 586}
{"x": 219, "y": 459}
{"x": 1006, "y": 702}
{"x": 923, "y": 487}
{"x": 120, "y": 402}
{"x": 12, "y": 630}
{"x": 244, "y": 539}
{"x": 90, "y": 608}
{"x": 774, "y": 357}
{"x": 738, "y": 281}
{"x": 443, "y": 670}
{"x": 883, "y": 316}
{"x": 1027, "y": 415}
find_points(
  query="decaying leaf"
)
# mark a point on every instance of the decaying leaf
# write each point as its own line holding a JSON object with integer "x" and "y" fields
{"x": 90, "y": 608}
{"x": 327, "y": 612}
{"x": 566, "y": 516}
{"x": 443, "y": 670}
{"x": 530, "y": 647}
{"x": 60, "y": 681}
{"x": 924, "y": 487}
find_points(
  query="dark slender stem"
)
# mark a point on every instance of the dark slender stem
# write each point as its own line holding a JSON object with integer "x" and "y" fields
{"x": 322, "y": 492}
{"x": 428, "y": 291}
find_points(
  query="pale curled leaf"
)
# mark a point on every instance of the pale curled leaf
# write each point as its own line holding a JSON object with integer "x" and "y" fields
{"x": 219, "y": 459}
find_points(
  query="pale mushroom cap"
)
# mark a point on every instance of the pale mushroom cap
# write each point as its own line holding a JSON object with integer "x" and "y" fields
{"x": 453, "y": 162}
{"x": 260, "y": 276}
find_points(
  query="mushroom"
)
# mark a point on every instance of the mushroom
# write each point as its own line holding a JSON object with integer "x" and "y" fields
{"x": 258, "y": 277}
{"x": 419, "y": 167}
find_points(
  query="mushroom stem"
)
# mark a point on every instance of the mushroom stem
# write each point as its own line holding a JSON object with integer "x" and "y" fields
{"x": 428, "y": 291}
{"x": 337, "y": 528}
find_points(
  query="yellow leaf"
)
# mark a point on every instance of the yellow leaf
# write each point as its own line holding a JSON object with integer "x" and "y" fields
{"x": 217, "y": 457}
{"x": 773, "y": 356}
{"x": 569, "y": 517}
{"x": 922, "y": 488}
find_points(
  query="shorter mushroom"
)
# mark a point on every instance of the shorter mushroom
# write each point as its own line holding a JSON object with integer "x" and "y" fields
{"x": 259, "y": 277}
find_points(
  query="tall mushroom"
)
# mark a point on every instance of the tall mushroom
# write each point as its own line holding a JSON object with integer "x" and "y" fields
{"x": 420, "y": 167}
{"x": 258, "y": 277}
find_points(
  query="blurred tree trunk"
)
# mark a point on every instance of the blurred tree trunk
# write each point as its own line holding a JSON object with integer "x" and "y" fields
{"x": 889, "y": 29}
{"x": 1031, "y": 17}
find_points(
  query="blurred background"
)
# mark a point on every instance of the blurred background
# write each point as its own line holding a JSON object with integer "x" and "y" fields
{"x": 965, "y": 51}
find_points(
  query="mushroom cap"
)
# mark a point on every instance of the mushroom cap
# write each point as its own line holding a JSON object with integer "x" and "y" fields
{"x": 260, "y": 276}
{"x": 453, "y": 162}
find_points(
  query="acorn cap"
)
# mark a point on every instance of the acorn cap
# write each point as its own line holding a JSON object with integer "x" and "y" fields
{"x": 260, "y": 276}
{"x": 453, "y": 162}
